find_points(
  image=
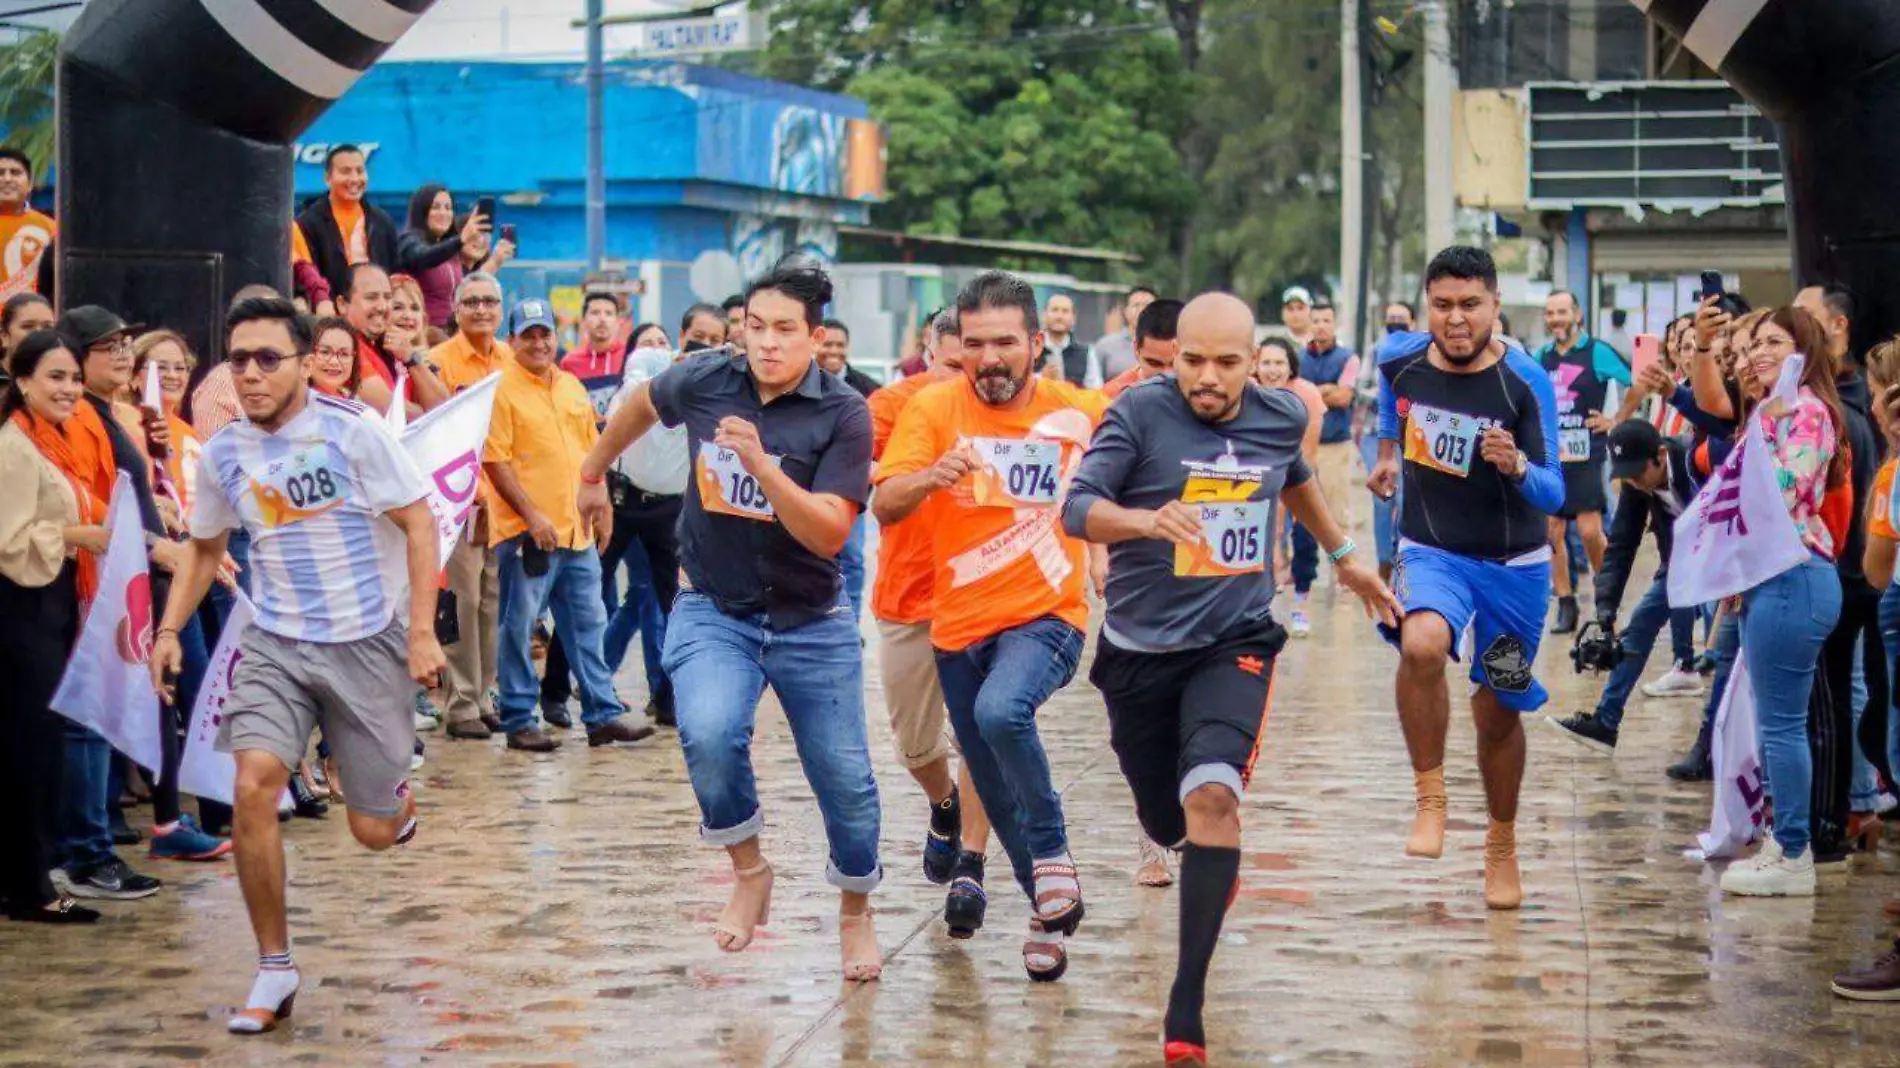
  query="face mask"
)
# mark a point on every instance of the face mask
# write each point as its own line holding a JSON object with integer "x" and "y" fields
{"x": 1394, "y": 328}
{"x": 694, "y": 346}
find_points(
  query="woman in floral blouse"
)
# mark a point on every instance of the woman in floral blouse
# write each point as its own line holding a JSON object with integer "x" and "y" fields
{"x": 1786, "y": 619}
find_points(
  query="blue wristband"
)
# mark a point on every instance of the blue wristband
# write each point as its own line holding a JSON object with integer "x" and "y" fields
{"x": 1345, "y": 549}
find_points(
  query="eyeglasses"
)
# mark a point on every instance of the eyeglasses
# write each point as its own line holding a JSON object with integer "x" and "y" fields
{"x": 268, "y": 360}
{"x": 122, "y": 343}
{"x": 343, "y": 355}
{"x": 481, "y": 302}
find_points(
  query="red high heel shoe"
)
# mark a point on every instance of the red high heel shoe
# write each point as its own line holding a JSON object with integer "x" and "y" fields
{"x": 1184, "y": 1053}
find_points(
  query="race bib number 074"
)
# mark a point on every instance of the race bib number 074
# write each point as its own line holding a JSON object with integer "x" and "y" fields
{"x": 1012, "y": 473}
{"x": 727, "y": 488}
{"x": 1441, "y": 440}
{"x": 1233, "y": 542}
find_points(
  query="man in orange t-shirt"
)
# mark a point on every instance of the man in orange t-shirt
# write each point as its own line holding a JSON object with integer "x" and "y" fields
{"x": 25, "y": 234}
{"x": 988, "y": 455}
{"x": 1155, "y": 347}
{"x": 900, "y": 601}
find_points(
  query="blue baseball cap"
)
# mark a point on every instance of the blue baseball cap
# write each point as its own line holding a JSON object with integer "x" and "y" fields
{"x": 530, "y": 312}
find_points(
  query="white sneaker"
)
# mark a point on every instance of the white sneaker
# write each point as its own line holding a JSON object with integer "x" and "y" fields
{"x": 1299, "y": 625}
{"x": 1769, "y": 873}
{"x": 426, "y": 723}
{"x": 1677, "y": 683}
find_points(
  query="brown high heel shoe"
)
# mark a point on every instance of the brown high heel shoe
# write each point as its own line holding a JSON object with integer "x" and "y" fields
{"x": 1503, "y": 887}
{"x": 735, "y": 931}
{"x": 1428, "y": 823}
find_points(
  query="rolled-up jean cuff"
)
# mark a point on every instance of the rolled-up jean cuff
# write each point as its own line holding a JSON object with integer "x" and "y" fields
{"x": 1212, "y": 774}
{"x": 853, "y": 884}
{"x": 732, "y": 836}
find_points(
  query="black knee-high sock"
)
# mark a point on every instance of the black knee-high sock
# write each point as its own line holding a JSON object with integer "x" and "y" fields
{"x": 1207, "y": 877}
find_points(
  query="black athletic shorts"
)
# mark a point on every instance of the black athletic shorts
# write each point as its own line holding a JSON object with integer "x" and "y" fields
{"x": 1583, "y": 490}
{"x": 1180, "y": 720}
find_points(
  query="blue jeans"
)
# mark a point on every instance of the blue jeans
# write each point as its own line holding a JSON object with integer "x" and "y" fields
{"x": 1728, "y": 642}
{"x": 1638, "y": 640}
{"x": 1305, "y": 558}
{"x": 638, "y": 611}
{"x": 1890, "y": 634}
{"x": 992, "y": 691}
{"x": 1785, "y": 621}
{"x": 1864, "y": 792}
{"x": 851, "y": 562}
{"x": 720, "y": 665}
{"x": 85, "y": 833}
{"x": 1573, "y": 550}
{"x": 1385, "y": 535}
{"x": 571, "y": 588}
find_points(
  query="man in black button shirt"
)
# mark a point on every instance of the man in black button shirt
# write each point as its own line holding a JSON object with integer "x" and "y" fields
{"x": 781, "y": 467}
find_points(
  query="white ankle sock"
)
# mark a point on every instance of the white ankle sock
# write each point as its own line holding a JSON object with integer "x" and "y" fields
{"x": 277, "y": 979}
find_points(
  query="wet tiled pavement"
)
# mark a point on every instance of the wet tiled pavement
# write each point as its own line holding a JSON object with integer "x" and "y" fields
{"x": 556, "y": 911}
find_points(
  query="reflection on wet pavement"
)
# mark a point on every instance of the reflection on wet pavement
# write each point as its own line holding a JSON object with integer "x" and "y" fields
{"x": 556, "y": 910}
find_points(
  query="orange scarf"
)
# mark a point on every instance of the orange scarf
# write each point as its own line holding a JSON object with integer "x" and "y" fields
{"x": 83, "y": 453}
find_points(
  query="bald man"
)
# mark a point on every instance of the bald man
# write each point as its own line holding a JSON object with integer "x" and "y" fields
{"x": 1179, "y": 482}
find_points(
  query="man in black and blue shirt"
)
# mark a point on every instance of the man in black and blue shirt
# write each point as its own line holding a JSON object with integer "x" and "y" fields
{"x": 1585, "y": 375}
{"x": 1468, "y": 420}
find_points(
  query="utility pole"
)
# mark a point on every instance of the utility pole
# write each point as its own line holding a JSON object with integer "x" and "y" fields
{"x": 1441, "y": 84}
{"x": 1352, "y": 171}
{"x": 596, "y": 144}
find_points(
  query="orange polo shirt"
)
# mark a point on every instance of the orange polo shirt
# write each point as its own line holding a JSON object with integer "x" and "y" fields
{"x": 542, "y": 428}
{"x": 1114, "y": 386}
{"x": 24, "y": 237}
{"x": 904, "y": 564}
{"x": 997, "y": 565}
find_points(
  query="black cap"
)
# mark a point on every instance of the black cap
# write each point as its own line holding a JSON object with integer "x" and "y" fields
{"x": 89, "y": 324}
{"x": 1633, "y": 446}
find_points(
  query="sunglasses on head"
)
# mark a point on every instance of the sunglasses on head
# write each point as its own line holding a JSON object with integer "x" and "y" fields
{"x": 268, "y": 360}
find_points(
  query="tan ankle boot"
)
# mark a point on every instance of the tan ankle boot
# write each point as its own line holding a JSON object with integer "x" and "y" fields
{"x": 1503, "y": 889}
{"x": 1428, "y": 825}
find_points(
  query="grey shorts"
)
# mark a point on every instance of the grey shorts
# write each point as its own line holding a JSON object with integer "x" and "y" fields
{"x": 359, "y": 692}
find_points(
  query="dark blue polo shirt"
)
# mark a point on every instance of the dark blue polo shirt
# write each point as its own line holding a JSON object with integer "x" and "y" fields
{"x": 821, "y": 433}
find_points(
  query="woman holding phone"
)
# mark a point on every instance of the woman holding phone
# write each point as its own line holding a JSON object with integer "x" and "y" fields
{"x": 437, "y": 249}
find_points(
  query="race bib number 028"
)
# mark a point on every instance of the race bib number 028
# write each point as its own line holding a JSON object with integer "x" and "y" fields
{"x": 298, "y": 488}
{"x": 1012, "y": 473}
{"x": 1233, "y": 542}
{"x": 1441, "y": 440}
{"x": 727, "y": 488}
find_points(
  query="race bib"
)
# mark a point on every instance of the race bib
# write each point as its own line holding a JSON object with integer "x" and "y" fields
{"x": 298, "y": 487}
{"x": 1012, "y": 473}
{"x": 1573, "y": 445}
{"x": 1233, "y": 542}
{"x": 1441, "y": 440}
{"x": 727, "y": 488}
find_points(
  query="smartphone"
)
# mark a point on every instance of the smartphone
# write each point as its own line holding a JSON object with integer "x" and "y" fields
{"x": 1648, "y": 351}
{"x": 1712, "y": 284}
{"x": 485, "y": 207}
{"x": 508, "y": 234}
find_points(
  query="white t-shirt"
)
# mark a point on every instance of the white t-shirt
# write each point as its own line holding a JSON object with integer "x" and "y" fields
{"x": 326, "y": 565}
{"x": 659, "y": 461}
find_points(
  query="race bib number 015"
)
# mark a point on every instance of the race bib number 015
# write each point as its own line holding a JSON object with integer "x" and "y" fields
{"x": 1441, "y": 440}
{"x": 1233, "y": 542}
{"x": 1012, "y": 473}
{"x": 727, "y": 488}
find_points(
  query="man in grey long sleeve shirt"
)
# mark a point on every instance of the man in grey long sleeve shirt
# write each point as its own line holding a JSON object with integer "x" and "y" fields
{"x": 1179, "y": 480}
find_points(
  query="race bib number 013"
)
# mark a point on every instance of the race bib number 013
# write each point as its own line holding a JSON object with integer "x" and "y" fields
{"x": 1441, "y": 440}
{"x": 1573, "y": 445}
{"x": 1012, "y": 473}
{"x": 727, "y": 488}
{"x": 1233, "y": 542}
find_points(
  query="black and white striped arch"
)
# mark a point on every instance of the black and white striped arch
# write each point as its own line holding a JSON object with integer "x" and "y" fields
{"x": 319, "y": 46}
{"x": 1712, "y": 27}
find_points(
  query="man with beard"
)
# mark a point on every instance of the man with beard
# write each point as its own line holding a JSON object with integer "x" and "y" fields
{"x": 1180, "y": 482}
{"x": 365, "y": 304}
{"x": 980, "y": 460}
{"x": 1481, "y": 475}
{"x": 1583, "y": 370}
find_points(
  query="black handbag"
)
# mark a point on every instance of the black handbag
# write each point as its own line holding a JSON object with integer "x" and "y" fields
{"x": 448, "y": 622}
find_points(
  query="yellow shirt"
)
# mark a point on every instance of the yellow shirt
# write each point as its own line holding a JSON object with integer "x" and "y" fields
{"x": 542, "y": 429}
{"x": 460, "y": 366}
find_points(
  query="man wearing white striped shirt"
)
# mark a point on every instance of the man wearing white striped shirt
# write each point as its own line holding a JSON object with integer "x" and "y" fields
{"x": 342, "y": 537}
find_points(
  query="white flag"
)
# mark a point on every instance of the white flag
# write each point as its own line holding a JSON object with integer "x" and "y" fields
{"x": 447, "y": 445}
{"x": 1736, "y": 534}
{"x": 1737, "y": 815}
{"x": 206, "y": 770}
{"x": 398, "y": 414}
{"x": 107, "y": 685}
{"x": 154, "y": 395}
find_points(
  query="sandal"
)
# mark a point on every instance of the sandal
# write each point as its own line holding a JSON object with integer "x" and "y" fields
{"x": 734, "y": 933}
{"x": 1058, "y": 895}
{"x": 1044, "y": 956}
{"x": 863, "y": 961}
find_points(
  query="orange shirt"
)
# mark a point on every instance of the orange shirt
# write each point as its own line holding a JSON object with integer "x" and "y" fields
{"x": 351, "y": 224}
{"x": 997, "y": 566}
{"x": 904, "y": 564}
{"x": 299, "y": 248}
{"x": 542, "y": 428}
{"x": 1315, "y": 414}
{"x": 182, "y": 462}
{"x": 1114, "y": 386}
{"x": 24, "y": 237}
{"x": 1879, "y": 521}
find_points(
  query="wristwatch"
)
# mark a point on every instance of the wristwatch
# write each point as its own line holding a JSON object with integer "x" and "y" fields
{"x": 414, "y": 359}
{"x": 1523, "y": 466}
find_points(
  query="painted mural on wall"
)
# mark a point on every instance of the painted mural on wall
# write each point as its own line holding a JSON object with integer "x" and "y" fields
{"x": 823, "y": 154}
{"x": 759, "y": 241}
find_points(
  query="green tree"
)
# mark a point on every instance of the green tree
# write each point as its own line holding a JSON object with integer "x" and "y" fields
{"x": 26, "y": 96}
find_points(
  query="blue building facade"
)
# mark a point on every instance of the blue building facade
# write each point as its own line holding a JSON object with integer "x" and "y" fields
{"x": 711, "y": 176}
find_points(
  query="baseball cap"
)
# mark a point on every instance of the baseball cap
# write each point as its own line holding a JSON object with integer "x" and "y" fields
{"x": 1633, "y": 444}
{"x": 530, "y": 312}
{"x": 1296, "y": 295}
{"x": 89, "y": 324}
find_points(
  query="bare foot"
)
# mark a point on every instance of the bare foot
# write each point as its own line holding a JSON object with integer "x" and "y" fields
{"x": 863, "y": 960}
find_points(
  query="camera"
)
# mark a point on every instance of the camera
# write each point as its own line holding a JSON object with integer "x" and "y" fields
{"x": 1596, "y": 648}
